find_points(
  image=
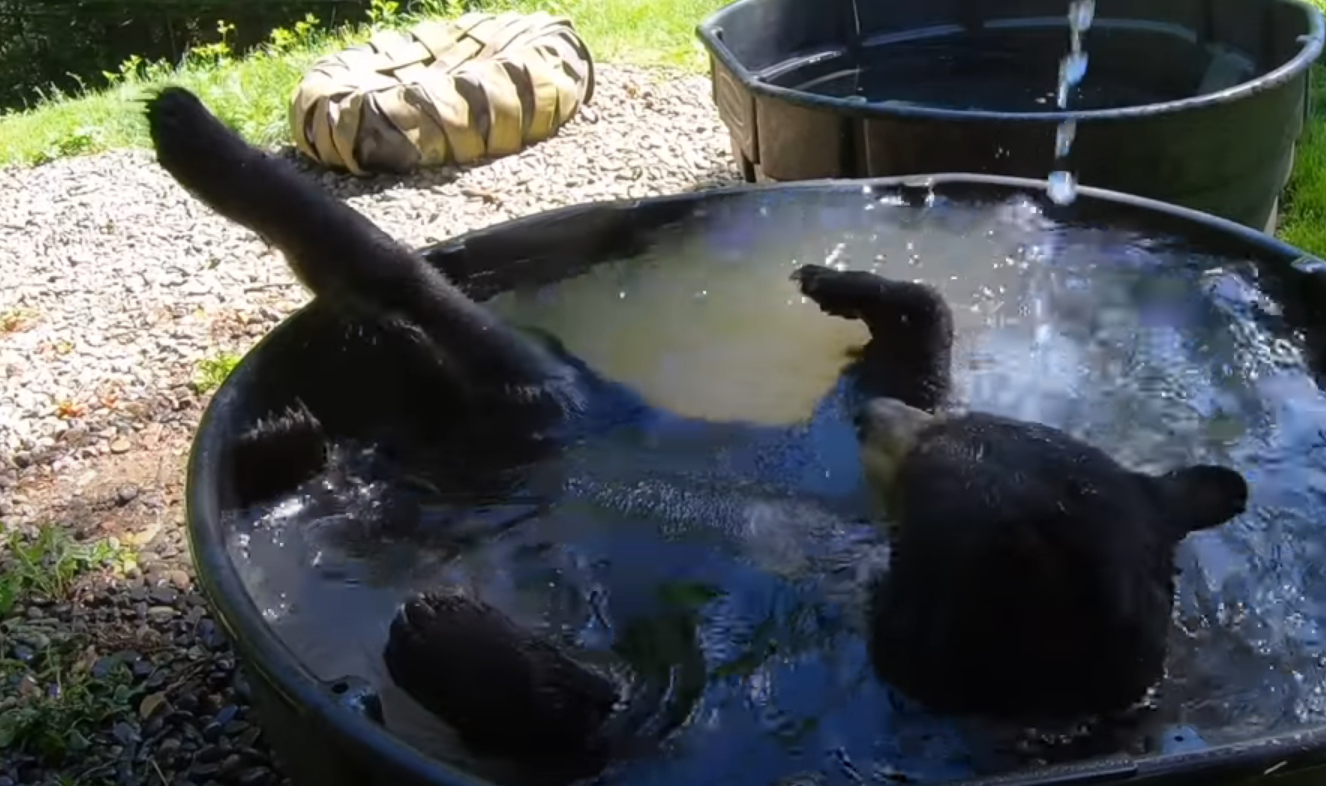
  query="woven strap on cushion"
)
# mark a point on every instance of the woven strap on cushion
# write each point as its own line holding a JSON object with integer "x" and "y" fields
{"x": 481, "y": 86}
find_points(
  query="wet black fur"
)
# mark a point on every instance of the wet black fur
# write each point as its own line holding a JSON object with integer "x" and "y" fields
{"x": 342, "y": 256}
{"x": 520, "y": 392}
{"x": 911, "y": 332}
{"x": 277, "y": 453}
{"x": 1031, "y": 576}
{"x": 535, "y": 704}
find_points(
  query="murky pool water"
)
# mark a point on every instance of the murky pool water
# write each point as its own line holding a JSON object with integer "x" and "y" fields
{"x": 734, "y": 552}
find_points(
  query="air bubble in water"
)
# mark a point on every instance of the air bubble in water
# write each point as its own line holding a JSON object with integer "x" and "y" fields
{"x": 1063, "y": 187}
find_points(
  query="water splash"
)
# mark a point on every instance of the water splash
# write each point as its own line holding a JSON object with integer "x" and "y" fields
{"x": 1072, "y": 69}
{"x": 1062, "y": 187}
{"x": 1063, "y": 138}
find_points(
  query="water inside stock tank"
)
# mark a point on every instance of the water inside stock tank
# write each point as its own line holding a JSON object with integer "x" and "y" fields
{"x": 733, "y": 554}
{"x": 1014, "y": 66}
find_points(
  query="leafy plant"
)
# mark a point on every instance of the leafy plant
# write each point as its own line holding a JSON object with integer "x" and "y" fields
{"x": 81, "y": 142}
{"x": 51, "y": 709}
{"x": 50, "y": 700}
{"x": 213, "y": 371}
{"x": 47, "y": 565}
{"x": 282, "y": 41}
{"x": 218, "y": 53}
{"x": 382, "y": 12}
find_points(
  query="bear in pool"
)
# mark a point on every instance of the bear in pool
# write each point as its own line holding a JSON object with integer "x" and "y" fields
{"x": 1030, "y": 574}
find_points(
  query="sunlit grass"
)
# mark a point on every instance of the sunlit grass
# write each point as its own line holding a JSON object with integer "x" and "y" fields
{"x": 1303, "y": 214}
{"x": 252, "y": 93}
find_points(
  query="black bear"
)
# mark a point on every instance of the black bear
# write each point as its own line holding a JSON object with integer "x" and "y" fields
{"x": 1031, "y": 575}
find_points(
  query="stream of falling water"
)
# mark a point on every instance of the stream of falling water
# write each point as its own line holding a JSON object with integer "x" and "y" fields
{"x": 1062, "y": 186}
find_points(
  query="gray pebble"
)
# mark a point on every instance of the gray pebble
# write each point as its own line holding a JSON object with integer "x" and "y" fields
{"x": 257, "y": 776}
{"x": 208, "y": 770}
{"x": 226, "y": 715}
{"x": 159, "y": 614}
{"x": 249, "y": 737}
{"x": 104, "y": 666}
{"x": 124, "y": 733}
{"x": 142, "y": 668}
{"x": 164, "y": 596}
{"x": 211, "y": 635}
{"x": 126, "y": 494}
{"x": 33, "y": 638}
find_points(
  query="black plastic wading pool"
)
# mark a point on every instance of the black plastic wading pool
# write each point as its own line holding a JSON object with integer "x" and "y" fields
{"x": 1194, "y": 102}
{"x": 329, "y": 733}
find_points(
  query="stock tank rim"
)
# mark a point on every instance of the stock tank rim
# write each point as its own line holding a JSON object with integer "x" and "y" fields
{"x": 268, "y": 659}
{"x": 710, "y": 33}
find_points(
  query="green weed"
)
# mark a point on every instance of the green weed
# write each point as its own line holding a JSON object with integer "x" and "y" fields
{"x": 282, "y": 41}
{"x": 54, "y": 703}
{"x": 45, "y": 566}
{"x": 50, "y": 701}
{"x": 212, "y": 371}
{"x": 80, "y": 142}
{"x": 216, "y": 55}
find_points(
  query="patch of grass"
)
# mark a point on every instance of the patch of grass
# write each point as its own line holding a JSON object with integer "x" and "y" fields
{"x": 251, "y": 93}
{"x": 1303, "y": 205}
{"x": 55, "y": 702}
{"x": 51, "y": 696}
{"x": 1303, "y": 214}
{"x": 212, "y": 371}
{"x": 44, "y": 566}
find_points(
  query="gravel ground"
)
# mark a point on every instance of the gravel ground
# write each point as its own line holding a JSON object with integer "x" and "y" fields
{"x": 115, "y": 285}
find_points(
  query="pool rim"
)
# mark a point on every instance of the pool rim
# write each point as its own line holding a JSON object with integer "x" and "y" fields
{"x": 269, "y": 660}
{"x": 710, "y": 34}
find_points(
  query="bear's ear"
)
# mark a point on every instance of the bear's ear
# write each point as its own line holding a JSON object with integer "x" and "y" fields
{"x": 1201, "y": 497}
